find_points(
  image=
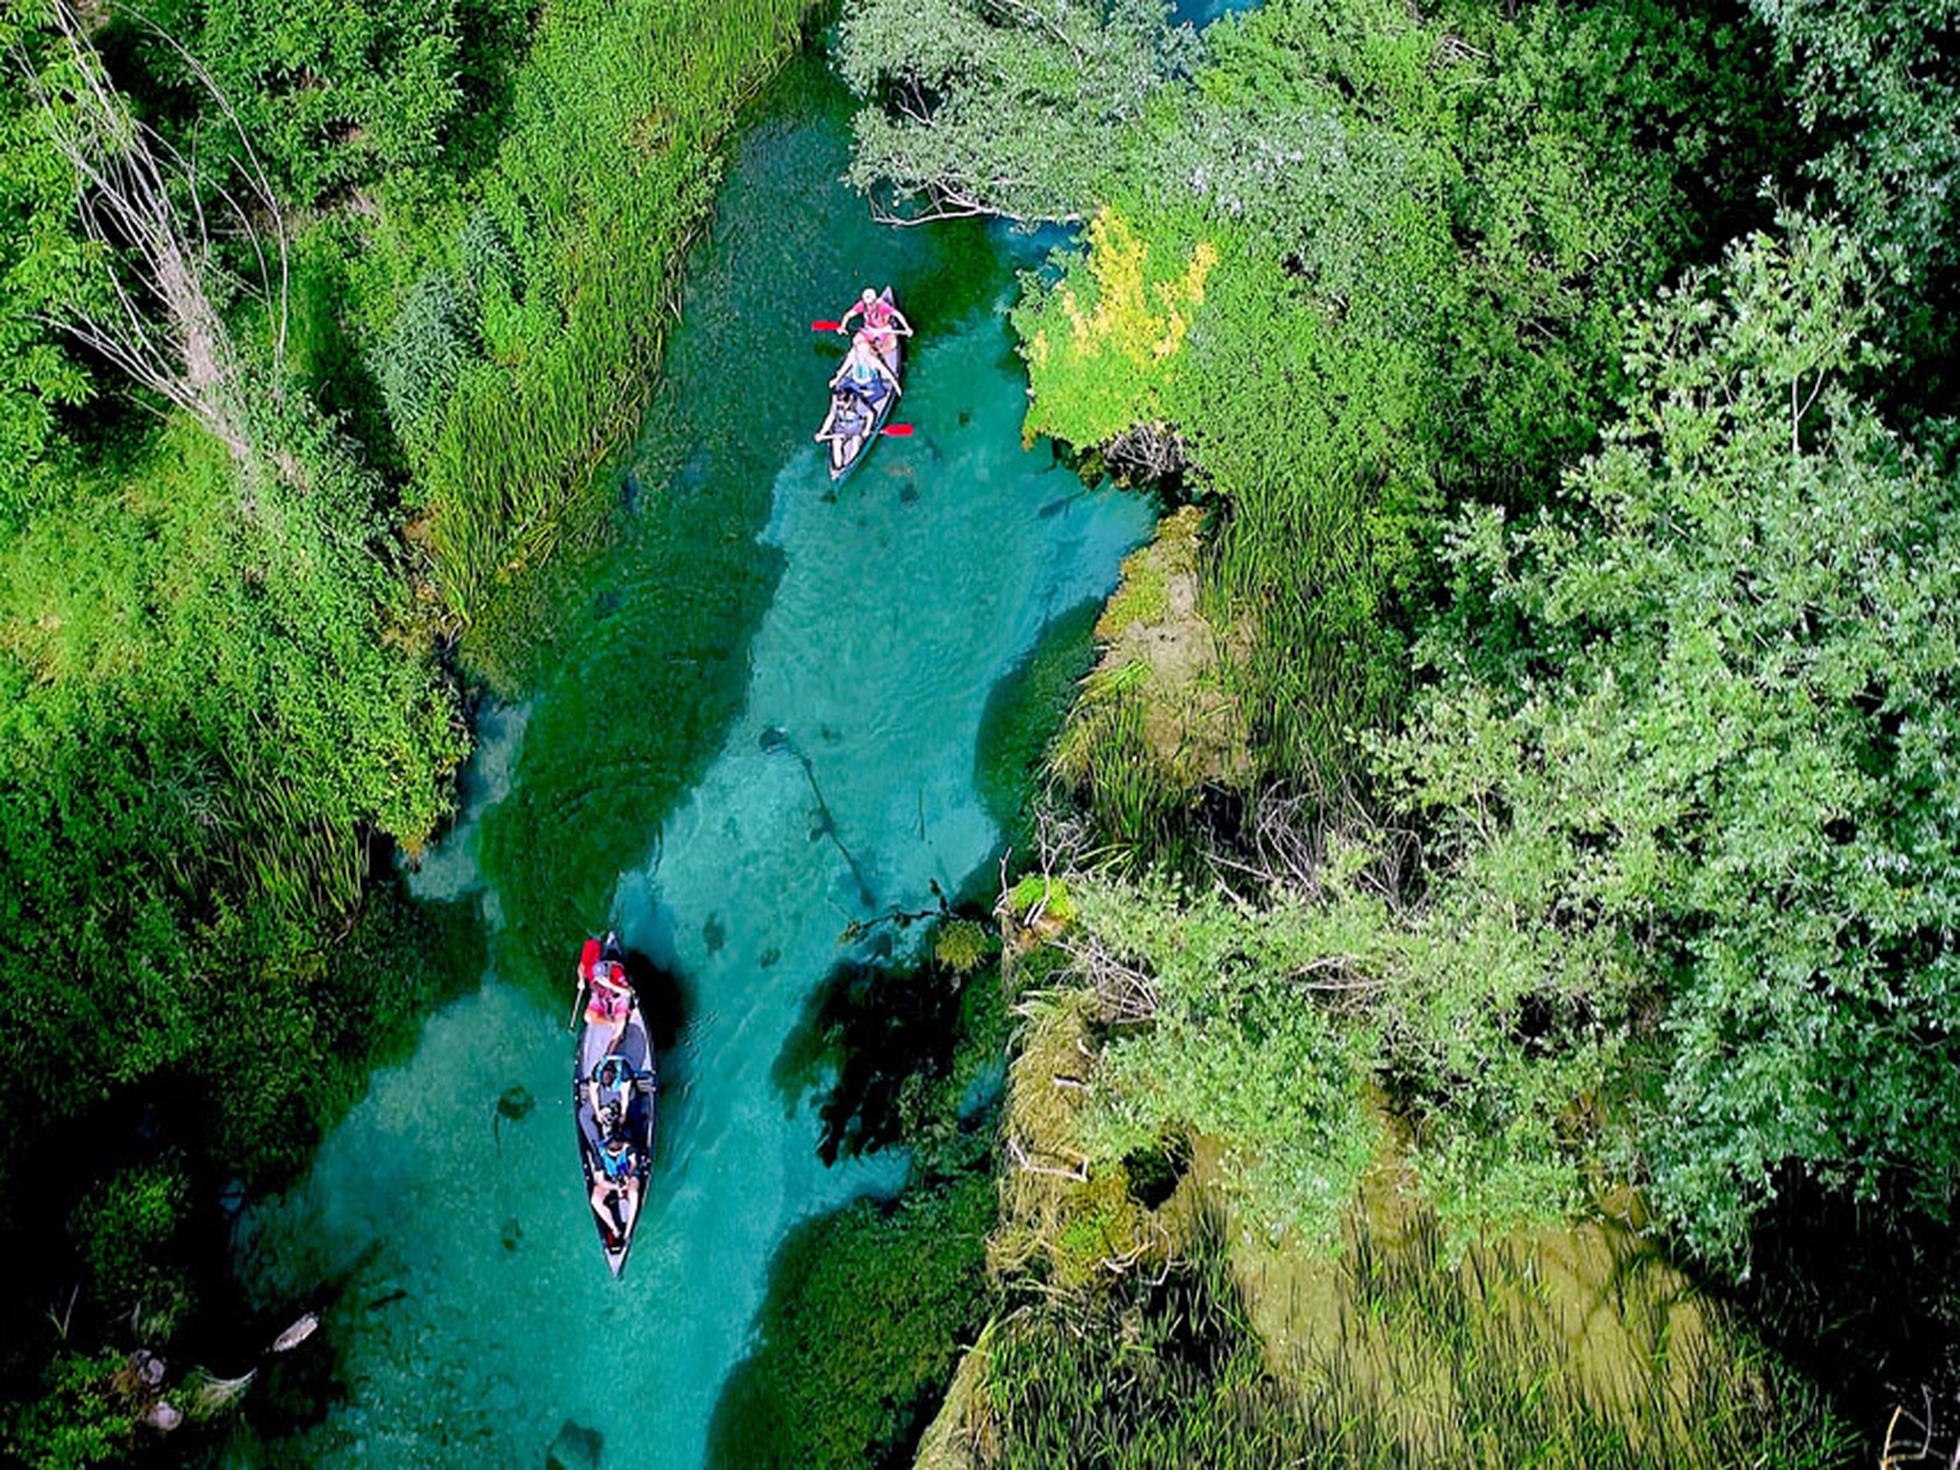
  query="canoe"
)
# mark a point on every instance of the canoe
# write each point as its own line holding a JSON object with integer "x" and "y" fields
{"x": 847, "y": 451}
{"x": 614, "y": 1086}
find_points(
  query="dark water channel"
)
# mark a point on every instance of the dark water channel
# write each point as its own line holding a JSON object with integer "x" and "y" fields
{"x": 747, "y": 717}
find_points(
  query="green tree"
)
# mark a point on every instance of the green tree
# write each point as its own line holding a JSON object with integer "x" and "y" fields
{"x": 1879, "y": 92}
{"x": 1714, "y": 718}
{"x": 335, "y": 94}
{"x": 1009, "y": 107}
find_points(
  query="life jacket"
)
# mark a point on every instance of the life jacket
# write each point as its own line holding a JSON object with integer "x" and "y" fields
{"x": 878, "y": 314}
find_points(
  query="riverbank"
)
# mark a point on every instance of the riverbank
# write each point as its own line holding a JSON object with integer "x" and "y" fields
{"x": 1386, "y": 1344}
{"x": 245, "y": 678}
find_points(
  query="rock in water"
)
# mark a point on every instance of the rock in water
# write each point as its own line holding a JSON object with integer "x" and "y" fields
{"x": 513, "y": 1233}
{"x": 714, "y": 933}
{"x": 293, "y": 1336}
{"x": 515, "y": 1104}
{"x": 575, "y": 1448}
{"x": 161, "y": 1416}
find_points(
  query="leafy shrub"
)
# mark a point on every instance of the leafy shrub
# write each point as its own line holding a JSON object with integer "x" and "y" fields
{"x": 1719, "y": 733}
{"x": 418, "y": 363}
{"x": 75, "y": 1421}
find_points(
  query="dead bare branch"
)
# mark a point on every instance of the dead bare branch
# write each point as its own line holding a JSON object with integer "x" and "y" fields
{"x": 142, "y": 204}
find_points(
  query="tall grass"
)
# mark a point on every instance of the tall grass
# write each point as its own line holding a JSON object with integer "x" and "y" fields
{"x": 1104, "y": 753}
{"x": 1430, "y": 1365}
{"x": 605, "y": 179}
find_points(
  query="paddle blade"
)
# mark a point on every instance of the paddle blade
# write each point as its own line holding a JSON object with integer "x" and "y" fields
{"x": 899, "y": 431}
{"x": 825, "y": 326}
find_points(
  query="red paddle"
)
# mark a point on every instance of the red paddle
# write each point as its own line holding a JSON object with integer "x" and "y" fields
{"x": 825, "y": 326}
{"x": 898, "y": 431}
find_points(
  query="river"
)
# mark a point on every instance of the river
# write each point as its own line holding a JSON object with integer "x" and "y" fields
{"x": 647, "y": 770}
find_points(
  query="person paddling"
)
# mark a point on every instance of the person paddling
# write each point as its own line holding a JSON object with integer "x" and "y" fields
{"x": 847, "y": 420}
{"x": 609, "y": 997}
{"x": 884, "y": 323}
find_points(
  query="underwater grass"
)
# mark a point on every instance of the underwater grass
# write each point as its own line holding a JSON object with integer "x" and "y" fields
{"x": 1022, "y": 713}
{"x": 866, "y": 1313}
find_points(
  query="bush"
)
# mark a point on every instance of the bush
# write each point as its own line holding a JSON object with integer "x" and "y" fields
{"x": 77, "y": 1420}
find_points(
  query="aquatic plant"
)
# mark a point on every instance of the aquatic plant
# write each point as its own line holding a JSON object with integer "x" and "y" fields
{"x": 866, "y": 1313}
{"x": 211, "y": 1395}
{"x": 961, "y": 945}
{"x": 1024, "y": 710}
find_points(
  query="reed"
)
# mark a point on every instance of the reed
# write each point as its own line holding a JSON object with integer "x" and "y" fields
{"x": 1431, "y": 1362}
{"x": 1105, "y": 754}
{"x": 611, "y": 170}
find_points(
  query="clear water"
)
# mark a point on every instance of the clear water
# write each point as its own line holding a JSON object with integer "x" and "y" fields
{"x": 468, "y": 1313}
{"x": 1202, "y": 13}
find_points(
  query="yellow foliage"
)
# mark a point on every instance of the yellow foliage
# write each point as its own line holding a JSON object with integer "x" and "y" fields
{"x": 1123, "y": 319}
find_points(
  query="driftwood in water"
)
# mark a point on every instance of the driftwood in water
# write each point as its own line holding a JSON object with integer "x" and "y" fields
{"x": 774, "y": 739}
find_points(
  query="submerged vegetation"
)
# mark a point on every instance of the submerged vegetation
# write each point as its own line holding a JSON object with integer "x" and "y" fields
{"x": 870, "y": 1307}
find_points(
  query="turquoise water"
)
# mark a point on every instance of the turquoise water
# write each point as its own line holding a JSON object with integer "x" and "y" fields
{"x": 1202, "y": 13}
{"x": 468, "y": 1315}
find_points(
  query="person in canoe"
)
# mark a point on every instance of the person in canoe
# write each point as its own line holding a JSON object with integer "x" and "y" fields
{"x": 608, "y": 996}
{"x": 883, "y": 325}
{"x": 615, "y": 1196}
{"x": 607, "y": 1122}
{"x": 865, "y": 374}
{"x": 847, "y": 420}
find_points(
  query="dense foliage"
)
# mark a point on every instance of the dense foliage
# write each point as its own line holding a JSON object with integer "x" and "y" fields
{"x": 1878, "y": 95}
{"x": 1613, "y": 585}
{"x": 1360, "y": 261}
{"x": 249, "y": 480}
{"x": 1718, "y": 722}
{"x": 1685, "y": 756}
